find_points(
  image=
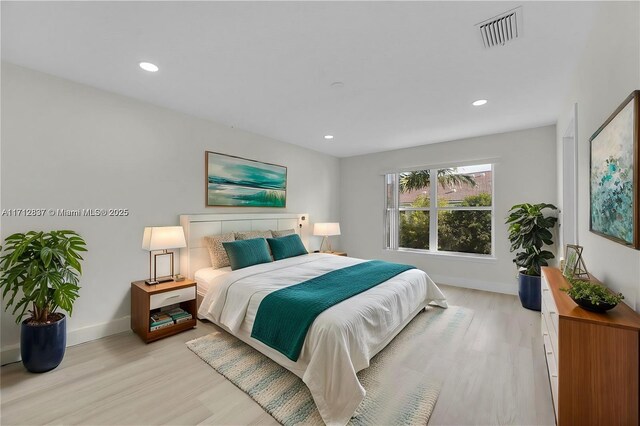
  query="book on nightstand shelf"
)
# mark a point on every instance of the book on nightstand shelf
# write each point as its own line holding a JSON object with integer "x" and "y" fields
{"x": 160, "y": 318}
{"x": 183, "y": 319}
{"x": 178, "y": 314}
{"x": 162, "y": 325}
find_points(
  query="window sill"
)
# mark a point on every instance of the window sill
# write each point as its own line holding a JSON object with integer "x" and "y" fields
{"x": 480, "y": 258}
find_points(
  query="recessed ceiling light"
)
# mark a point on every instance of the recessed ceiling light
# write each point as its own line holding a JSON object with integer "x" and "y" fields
{"x": 148, "y": 66}
{"x": 328, "y": 137}
{"x": 479, "y": 102}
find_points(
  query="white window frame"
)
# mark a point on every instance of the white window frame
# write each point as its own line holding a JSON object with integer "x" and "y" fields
{"x": 392, "y": 216}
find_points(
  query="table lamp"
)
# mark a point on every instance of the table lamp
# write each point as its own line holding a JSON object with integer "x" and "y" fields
{"x": 326, "y": 230}
{"x": 162, "y": 238}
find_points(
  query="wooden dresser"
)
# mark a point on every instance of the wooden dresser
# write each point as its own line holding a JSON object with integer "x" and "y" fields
{"x": 592, "y": 358}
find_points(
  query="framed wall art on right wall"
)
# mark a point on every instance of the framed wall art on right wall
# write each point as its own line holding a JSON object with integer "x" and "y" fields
{"x": 614, "y": 184}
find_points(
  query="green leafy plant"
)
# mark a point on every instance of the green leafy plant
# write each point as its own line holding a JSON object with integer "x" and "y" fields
{"x": 594, "y": 293}
{"x": 529, "y": 230}
{"x": 43, "y": 270}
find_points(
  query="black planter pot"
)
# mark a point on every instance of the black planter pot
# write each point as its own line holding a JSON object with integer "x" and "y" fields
{"x": 42, "y": 346}
{"x": 529, "y": 291}
{"x": 586, "y": 304}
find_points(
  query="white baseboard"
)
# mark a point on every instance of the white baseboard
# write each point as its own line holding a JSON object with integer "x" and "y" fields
{"x": 11, "y": 353}
{"x": 496, "y": 287}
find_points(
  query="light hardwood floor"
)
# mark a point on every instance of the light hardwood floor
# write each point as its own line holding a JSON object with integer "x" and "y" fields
{"x": 499, "y": 378}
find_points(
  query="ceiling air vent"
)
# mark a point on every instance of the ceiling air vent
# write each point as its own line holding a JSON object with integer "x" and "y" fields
{"x": 501, "y": 29}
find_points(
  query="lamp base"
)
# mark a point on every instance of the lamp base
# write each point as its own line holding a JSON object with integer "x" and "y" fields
{"x": 151, "y": 282}
{"x": 164, "y": 279}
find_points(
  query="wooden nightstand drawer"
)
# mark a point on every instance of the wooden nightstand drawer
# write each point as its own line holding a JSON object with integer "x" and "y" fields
{"x": 170, "y": 297}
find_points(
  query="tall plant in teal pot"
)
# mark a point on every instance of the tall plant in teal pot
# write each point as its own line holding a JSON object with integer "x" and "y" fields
{"x": 529, "y": 233}
{"x": 39, "y": 274}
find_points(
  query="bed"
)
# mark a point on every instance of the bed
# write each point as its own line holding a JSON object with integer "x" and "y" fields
{"x": 340, "y": 342}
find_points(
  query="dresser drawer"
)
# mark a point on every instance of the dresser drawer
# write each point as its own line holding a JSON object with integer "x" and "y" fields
{"x": 549, "y": 309}
{"x": 170, "y": 297}
{"x": 551, "y": 342}
{"x": 553, "y": 370}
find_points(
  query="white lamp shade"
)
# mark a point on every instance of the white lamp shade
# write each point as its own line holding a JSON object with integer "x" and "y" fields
{"x": 326, "y": 229}
{"x": 163, "y": 237}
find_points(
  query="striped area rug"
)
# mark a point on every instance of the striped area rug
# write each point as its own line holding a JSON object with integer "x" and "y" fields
{"x": 402, "y": 382}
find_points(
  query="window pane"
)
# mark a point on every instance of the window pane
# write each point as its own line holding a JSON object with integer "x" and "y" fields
{"x": 465, "y": 186}
{"x": 414, "y": 189}
{"x": 390, "y": 181}
{"x": 387, "y": 231}
{"x": 464, "y": 231}
{"x": 414, "y": 229}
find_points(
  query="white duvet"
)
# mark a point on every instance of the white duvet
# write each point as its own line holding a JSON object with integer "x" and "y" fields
{"x": 341, "y": 340}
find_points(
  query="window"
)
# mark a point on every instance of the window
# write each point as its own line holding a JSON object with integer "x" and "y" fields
{"x": 453, "y": 215}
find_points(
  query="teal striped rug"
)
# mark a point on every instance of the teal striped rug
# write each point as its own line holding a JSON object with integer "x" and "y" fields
{"x": 402, "y": 382}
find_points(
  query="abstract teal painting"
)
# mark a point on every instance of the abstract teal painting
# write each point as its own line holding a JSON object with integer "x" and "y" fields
{"x": 614, "y": 171}
{"x": 239, "y": 182}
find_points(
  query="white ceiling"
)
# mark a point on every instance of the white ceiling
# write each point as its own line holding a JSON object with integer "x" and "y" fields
{"x": 410, "y": 69}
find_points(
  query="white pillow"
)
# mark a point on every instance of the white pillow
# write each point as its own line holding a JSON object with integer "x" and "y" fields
{"x": 248, "y": 235}
{"x": 278, "y": 234}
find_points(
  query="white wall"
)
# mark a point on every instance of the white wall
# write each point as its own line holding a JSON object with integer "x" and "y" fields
{"x": 606, "y": 74}
{"x": 65, "y": 145}
{"x": 525, "y": 172}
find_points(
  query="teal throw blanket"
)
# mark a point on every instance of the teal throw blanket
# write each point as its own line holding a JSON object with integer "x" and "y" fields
{"x": 284, "y": 316}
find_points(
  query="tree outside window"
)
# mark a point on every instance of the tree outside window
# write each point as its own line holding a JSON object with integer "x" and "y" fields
{"x": 462, "y": 214}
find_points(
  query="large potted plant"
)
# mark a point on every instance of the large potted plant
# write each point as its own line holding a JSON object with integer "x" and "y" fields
{"x": 529, "y": 231}
{"x": 40, "y": 271}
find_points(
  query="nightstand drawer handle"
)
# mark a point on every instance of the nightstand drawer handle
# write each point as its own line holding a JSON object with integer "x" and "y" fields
{"x": 175, "y": 295}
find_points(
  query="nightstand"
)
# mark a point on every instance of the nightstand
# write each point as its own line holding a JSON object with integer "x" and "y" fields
{"x": 148, "y": 299}
{"x": 336, "y": 253}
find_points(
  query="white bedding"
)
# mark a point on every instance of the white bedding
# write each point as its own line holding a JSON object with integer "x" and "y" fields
{"x": 341, "y": 340}
{"x": 205, "y": 276}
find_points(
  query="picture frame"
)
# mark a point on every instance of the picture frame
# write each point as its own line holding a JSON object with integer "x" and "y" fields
{"x": 232, "y": 181}
{"x": 614, "y": 185}
{"x": 574, "y": 263}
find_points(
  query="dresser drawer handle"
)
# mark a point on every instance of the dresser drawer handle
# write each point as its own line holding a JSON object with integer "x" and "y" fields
{"x": 175, "y": 295}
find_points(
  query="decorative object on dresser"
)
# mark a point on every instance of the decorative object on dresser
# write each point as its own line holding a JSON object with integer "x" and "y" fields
{"x": 574, "y": 263}
{"x": 615, "y": 178}
{"x": 240, "y": 182}
{"x": 162, "y": 238}
{"x": 43, "y": 269}
{"x": 326, "y": 230}
{"x": 592, "y": 296}
{"x": 592, "y": 358}
{"x": 529, "y": 230}
{"x": 163, "y": 309}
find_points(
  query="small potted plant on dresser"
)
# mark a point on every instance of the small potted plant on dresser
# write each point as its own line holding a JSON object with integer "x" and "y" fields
{"x": 41, "y": 271}
{"x": 592, "y": 296}
{"x": 529, "y": 231}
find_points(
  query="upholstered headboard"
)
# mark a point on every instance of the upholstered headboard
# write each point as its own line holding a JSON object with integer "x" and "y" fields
{"x": 197, "y": 226}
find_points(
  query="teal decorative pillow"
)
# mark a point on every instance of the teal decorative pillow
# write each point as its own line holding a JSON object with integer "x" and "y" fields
{"x": 245, "y": 253}
{"x": 287, "y": 246}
